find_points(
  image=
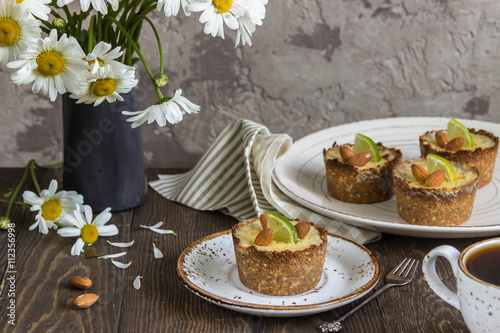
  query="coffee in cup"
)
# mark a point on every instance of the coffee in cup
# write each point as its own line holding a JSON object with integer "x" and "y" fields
{"x": 477, "y": 270}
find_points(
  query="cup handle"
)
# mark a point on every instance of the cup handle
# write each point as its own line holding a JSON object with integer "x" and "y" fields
{"x": 429, "y": 269}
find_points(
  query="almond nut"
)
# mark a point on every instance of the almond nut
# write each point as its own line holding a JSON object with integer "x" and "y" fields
{"x": 264, "y": 237}
{"x": 85, "y": 300}
{"x": 360, "y": 159}
{"x": 419, "y": 172}
{"x": 455, "y": 144}
{"x": 442, "y": 138}
{"x": 346, "y": 153}
{"x": 435, "y": 179}
{"x": 80, "y": 282}
{"x": 263, "y": 220}
{"x": 302, "y": 228}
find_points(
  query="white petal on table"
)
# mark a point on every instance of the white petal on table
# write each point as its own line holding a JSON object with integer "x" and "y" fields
{"x": 163, "y": 231}
{"x": 109, "y": 256}
{"x": 129, "y": 244}
{"x": 137, "y": 282}
{"x": 120, "y": 264}
{"x": 157, "y": 252}
{"x": 157, "y": 225}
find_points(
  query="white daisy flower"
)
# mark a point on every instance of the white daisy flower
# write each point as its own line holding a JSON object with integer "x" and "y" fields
{"x": 53, "y": 65}
{"x": 51, "y": 206}
{"x": 137, "y": 282}
{"x": 102, "y": 55}
{"x": 217, "y": 12}
{"x": 18, "y": 31}
{"x": 38, "y": 8}
{"x": 105, "y": 85}
{"x": 170, "y": 109}
{"x": 157, "y": 253}
{"x": 257, "y": 10}
{"x": 86, "y": 227}
{"x": 171, "y": 7}
{"x": 245, "y": 30}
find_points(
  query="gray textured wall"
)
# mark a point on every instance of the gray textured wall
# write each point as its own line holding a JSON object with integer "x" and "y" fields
{"x": 314, "y": 64}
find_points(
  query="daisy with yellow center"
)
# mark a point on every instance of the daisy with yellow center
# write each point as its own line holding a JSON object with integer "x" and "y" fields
{"x": 170, "y": 109}
{"x": 54, "y": 65}
{"x": 87, "y": 228}
{"x": 105, "y": 85}
{"x": 102, "y": 55}
{"x": 51, "y": 206}
{"x": 217, "y": 12}
{"x": 18, "y": 30}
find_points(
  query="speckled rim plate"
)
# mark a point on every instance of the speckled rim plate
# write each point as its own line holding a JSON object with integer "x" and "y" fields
{"x": 300, "y": 174}
{"x": 208, "y": 269}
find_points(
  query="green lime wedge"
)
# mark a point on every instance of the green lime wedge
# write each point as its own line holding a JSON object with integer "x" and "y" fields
{"x": 457, "y": 129}
{"x": 363, "y": 144}
{"x": 284, "y": 230}
{"x": 435, "y": 162}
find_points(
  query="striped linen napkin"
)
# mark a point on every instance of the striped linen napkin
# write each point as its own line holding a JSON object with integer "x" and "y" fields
{"x": 234, "y": 176}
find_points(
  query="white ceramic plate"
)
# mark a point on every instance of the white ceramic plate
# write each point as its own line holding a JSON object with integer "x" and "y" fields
{"x": 208, "y": 269}
{"x": 300, "y": 174}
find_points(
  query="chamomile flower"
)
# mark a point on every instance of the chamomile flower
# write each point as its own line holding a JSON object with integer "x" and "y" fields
{"x": 106, "y": 84}
{"x": 170, "y": 109}
{"x": 86, "y": 227}
{"x": 18, "y": 30}
{"x": 102, "y": 55}
{"x": 53, "y": 65}
{"x": 171, "y": 7}
{"x": 38, "y": 8}
{"x": 51, "y": 206}
{"x": 217, "y": 12}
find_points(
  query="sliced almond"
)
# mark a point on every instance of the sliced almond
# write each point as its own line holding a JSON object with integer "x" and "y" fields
{"x": 80, "y": 282}
{"x": 302, "y": 229}
{"x": 346, "y": 153}
{"x": 419, "y": 172}
{"x": 360, "y": 159}
{"x": 435, "y": 179}
{"x": 85, "y": 300}
{"x": 264, "y": 237}
{"x": 263, "y": 220}
{"x": 442, "y": 138}
{"x": 455, "y": 144}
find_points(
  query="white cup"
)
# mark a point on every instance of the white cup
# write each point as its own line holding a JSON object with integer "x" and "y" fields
{"x": 478, "y": 301}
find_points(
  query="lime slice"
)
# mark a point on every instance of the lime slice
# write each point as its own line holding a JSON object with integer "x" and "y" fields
{"x": 456, "y": 129}
{"x": 284, "y": 230}
{"x": 363, "y": 144}
{"x": 435, "y": 162}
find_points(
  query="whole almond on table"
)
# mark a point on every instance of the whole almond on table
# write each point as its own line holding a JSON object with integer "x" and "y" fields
{"x": 264, "y": 237}
{"x": 346, "y": 153}
{"x": 435, "y": 179}
{"x": 455, "y": 144}
{"x": 263, "y": 220}
{"x": 360, "y": 159}
{"x": 442, "y": 138}
{"x": 419, "y": 172}
{"x": 85, "y": 300}
{"x": 302, "y": 229}
{"x": 80, "y": 282}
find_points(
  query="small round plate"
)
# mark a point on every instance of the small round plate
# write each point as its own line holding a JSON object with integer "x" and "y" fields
{"x": 208, "y": 269}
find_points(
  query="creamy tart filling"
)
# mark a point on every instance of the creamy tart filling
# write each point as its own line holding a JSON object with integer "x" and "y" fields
{"x": 248, "y": 232}
{"x": 480, "y": 141}
{"x": 462, "y": 176}
{"x": 385, "y": 154}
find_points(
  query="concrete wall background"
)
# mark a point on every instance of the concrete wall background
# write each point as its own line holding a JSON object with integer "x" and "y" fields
{"x": 313, "y": 64}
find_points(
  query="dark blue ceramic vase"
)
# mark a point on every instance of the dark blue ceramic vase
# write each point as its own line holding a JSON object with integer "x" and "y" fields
{"x": 103, "y": 156}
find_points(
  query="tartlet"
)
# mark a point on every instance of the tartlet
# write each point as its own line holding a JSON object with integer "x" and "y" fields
{"x": 449, "y": 204}
{"x": 369, "y": 183}
{"x": 482, "y": 156}
{"x": 279, "y": 268}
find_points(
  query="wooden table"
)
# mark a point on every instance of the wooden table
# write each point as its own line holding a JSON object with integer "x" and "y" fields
{"x": 43, "y": 265}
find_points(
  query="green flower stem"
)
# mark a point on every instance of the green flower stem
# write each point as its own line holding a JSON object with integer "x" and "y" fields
{"x": 90, "y": 45}
{"x": 19, "y": 203}
{"x": 33, "y": 177}
{"x": 138, "y": 51}
{"x": 18, "y": 187}
{"x": 157, "y": 36}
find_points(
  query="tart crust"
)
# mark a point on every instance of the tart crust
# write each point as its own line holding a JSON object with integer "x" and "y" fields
{"x": 434, "y": 206}
{"x": 283, "y": 272}
{"x": 348, "y": 183}
{"x": 483, "y": 159}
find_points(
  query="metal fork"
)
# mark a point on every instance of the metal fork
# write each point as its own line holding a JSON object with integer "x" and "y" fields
{"x": 399, "y": 276}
